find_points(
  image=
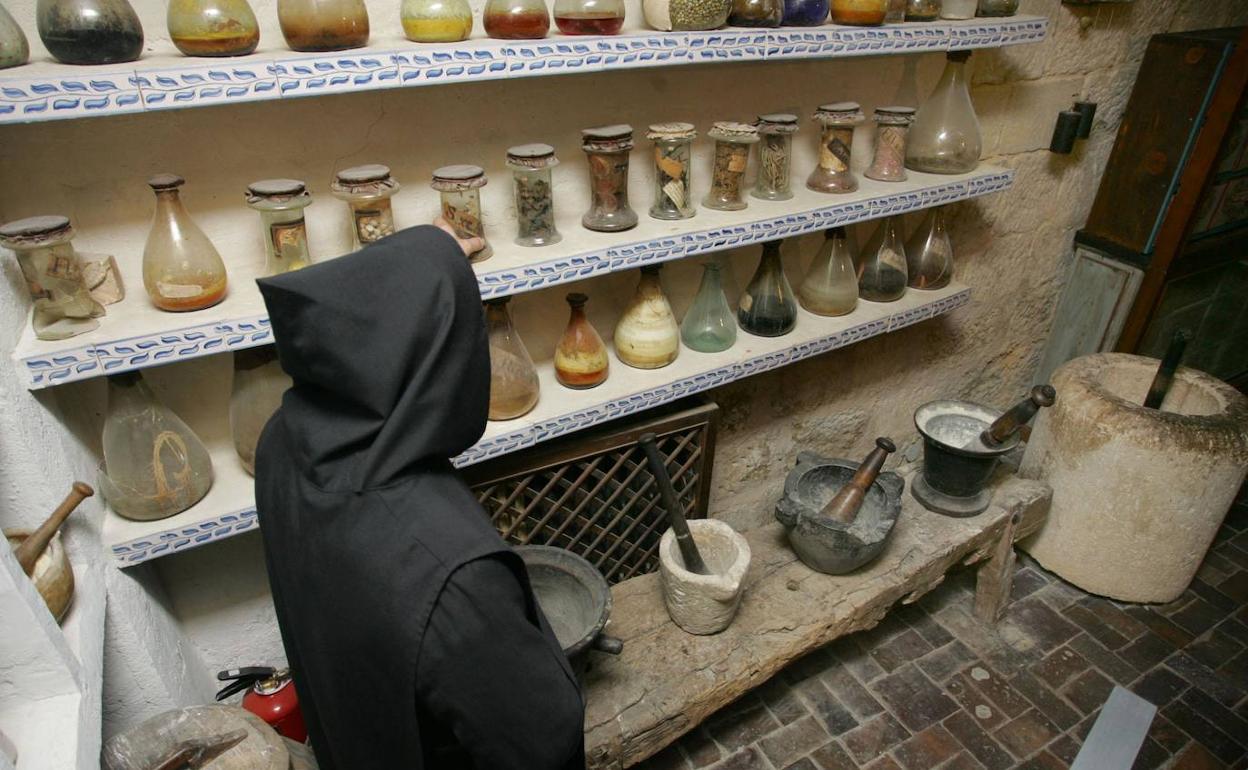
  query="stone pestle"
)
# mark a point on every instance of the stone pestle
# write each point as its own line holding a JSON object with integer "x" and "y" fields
{"x": 1165, "y": 373}
{"x": 675, "y": 511}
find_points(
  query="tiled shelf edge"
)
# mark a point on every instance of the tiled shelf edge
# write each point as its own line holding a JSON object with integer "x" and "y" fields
{"x": 180, "y": 537}
{"x": 41, "y": 370}
{"x": 48, "y": 91}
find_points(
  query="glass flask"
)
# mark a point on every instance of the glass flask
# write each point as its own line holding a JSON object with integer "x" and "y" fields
{"x": 646, "y": 336}
{"x": 531, "y": 166}
{"x": 367, "y": 191}
{"x": 891, "y": 126}
{"x": 882, "y": 264}
{"x": 581, "y": 356}
{"x": 831, "y": 284}
{"x": 436, "y": 21}
{"x": 945, "y": 138}
{"x": 281, "y": 203}
{"x": 154, "y": 465}
{"x": 673, "y": 163}
{"x": 589, "y": 17}
{"x": 213, "y": 27}
{"x": 89, "y": 31}
{"x": 929, "y": 253}
{"x": 805, "y": 13}
{"x": 767, "y": 307}
{"x": 323, "y": 25}
{"x": 516, "y": 19}
{"x": 514, "y": 386}
{"x": 775, "y": 156}
{"x": 896, "y": 12}
{"x": 922, "y": 10}
{"x": 686, "y": 15}
{"x": 460, "y": 189}
{"x": 607, "y": 149}
{"x": 836, "y": 139}
{"x": 259, "y": 383}
{"x": 709, "y": 326}
{"x": 862, "y": 13}
{"x": 61, "y": 305}
{"x": 181, "y": 268}
{"x": 958, "y": 9}
{"x": 14, "y": 48}
{"x": 756, "y": 13}
{"x": 732, "y": 156}
{"x": 997, "y": 7}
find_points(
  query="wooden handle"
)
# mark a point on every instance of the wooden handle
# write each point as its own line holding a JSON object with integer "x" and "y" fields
{"x": 844, "y": 506}
{"x": 675, "y": 511}
{"x": 1019, "y": 415}
{"x": 1165, "y": 373}
{"x": 32, "y": 547}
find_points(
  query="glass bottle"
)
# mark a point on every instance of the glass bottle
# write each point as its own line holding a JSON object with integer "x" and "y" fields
{"x": 882, "y": 264}
{"x": 646, "y": 336}
{"x": 896, "y": 12}
{"x": 831, "y": 283}
{"x": 732, "y": 156}
{"x": 958, "y": 9}
{"x": 514, "y": 386}
{"x": 836, "y": 139}
{"x": 768, "y": 308}
{"x": 756, "y": 13}
{"x": 213, "y": 27}
{"x": 581, "y": 356}
{"x": 436, "y": 21}
{"x": 259, "y": 383}
{"x": 281, "y": 203}
{"x": 891, "y": 126}
{"x": 775, "y": 156}
{"x": 61, "y": 305}
{"x": 14, "y": 49}
{"x": 805, "y": 13}
{"x": 945, "y": 138}
{"x": 460, "y": 189}
{"x": 686, "y": 15}
{"x": 516, "y": 19}
{"x": 589, "y": 17}
{"x": 922, "y": 10}
{"x": 154, "y": 464}
{"x": 997, "y": 7}
{"x": 367, "y": 191}
{"x": 861, "y": 13}
{"x": 531, "y": 166}
{"x": 607, "y": 149}
{"x": 709, "y": 326}
{"x": 323, "y": 25}
{"x": 90, "y": 31}
{"x": 673, "y": 164}
{"x": 181, "y": 268}
{"x": 929, "y": 253}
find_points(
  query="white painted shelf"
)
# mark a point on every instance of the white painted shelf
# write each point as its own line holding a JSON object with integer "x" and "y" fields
{"x": 47, "y": 90}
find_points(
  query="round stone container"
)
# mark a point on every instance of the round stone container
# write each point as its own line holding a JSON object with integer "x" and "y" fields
{"x": 704, "y": 604}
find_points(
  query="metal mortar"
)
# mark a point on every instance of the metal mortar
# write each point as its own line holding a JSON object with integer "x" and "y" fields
{"x": 956, "y": 464}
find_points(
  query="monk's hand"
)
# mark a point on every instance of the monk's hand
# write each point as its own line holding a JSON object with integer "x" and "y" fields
{"x": 468, "y": 245}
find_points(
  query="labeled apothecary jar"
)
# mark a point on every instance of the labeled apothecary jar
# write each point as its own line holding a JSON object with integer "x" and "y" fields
{"x": 182, "y": 270}
{"x": 589, "y": 17}
{"x": 281, "y": 203}
{"x": 997, "y": 7}
{"x": 732, "y": 156}
{"x": 436, "y": 21}
{"x": 861, "y": 13}
{"x": 516, "y": 19}
{"x": 213, "y": 27}
{"x": 775, "y": 156}
{"x": 756, "y": 13}
{"x": 460, "y": 188}
{"x": 891, "y": 126}
{"x": 922, "y": 10}
{"x": 367, "y": 191}
{"x": 323, "y": 25}
{"x": 44, "y": 248}
{"x": 673, "y": 161}
{"x": 607, "y": 148}
{"x": 836, "y": 140}
{"x": 686, "y": 15}
{"x": 531, "y": 166}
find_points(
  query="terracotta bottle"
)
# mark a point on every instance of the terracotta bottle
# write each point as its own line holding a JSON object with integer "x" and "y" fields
{"x": 581, "y": 357}
{"x": 647, "y": 336}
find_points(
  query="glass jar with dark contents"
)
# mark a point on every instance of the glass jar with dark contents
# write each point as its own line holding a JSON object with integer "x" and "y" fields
{"x": 775, "y": 156}
{"x": 531, "y": 166}
{"x": 732, "y": 156}
{"x": 589, "y": 17}
{"x": 607, "y": 148}
{"x": 516, "y": 19}
{"x": 891, "y": 126}
{"x": 836, "y": 125}
{"x": 460, "y": 187}
{"x": 89, "y": 31}
{"x": 281, "y": 203}
{"x": 756, "y": 13}
{"x": 367, "y": 190}
{"x": 673, "y": 160}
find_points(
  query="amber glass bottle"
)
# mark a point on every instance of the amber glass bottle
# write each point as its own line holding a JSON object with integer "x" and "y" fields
{"x": 581, "y": 357}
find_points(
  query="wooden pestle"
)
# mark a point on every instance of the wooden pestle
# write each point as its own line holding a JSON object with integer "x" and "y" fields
{"x": 1019, "y": 415}
{"x": 675, "y": 511}
{"x": 32, "y": 547}
{"x": 844, "y": 506}
{"x": 1165, "y": 373}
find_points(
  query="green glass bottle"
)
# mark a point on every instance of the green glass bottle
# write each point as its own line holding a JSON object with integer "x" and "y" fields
{"x": 708, "y": 326}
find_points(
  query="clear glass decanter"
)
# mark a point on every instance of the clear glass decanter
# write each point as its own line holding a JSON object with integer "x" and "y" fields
{"x": 945, "y": 136}
{"x": 646, "y": 336}
{"x": 768, "y": 307}
{"x": 514, "y": 387}
{"x": 831, "y": 285}
{"x": 882, "y": 264}
{"x": 181, "y": 268}
{"x": 929, "y": 253}
{"x": 581, "y": 356}
{"x": 709, "y": 325}
{"x": 259, "y": 383}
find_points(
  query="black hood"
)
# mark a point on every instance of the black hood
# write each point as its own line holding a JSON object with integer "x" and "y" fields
{"x": 387, "y": 349}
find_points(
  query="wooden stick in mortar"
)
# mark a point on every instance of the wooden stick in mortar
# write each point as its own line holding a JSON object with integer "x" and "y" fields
{"x": 32, "y": 547}
{"x": 844, "y": 506}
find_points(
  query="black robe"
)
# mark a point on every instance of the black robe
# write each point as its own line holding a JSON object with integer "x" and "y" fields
{"x": 409, "y": 624}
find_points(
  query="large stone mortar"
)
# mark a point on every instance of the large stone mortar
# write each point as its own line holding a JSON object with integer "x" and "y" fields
{"x": 1138, "y": 494}
{"x": 704, "y": 604}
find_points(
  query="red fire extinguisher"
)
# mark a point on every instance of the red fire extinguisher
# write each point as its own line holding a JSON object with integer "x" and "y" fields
{"x": 270, "y": 695}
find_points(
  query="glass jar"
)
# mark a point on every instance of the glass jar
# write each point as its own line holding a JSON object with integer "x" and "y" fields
{"x": 756, "y": 13}
{"x": 323, "y": 25}
{"x": 805, "y": 13}
{"x": 259, "y": 383}
{"x": 929, "y": 253}
{"x": 581, "y": 356}
{"x": 213, "y": 27}
{"x": 516, "y": 19}
{"x": 154, "y": 464}
{"x": 607, "y": 149}
{"x": 531, "y": 166}
{"x": 882, "y": 264}
{"x": 673, "y": 163}
{"x": 732, "y": 156}
{"x": 709, "y": 326}
{"x": 14, "y": 48}
{"x": 686, "y": 15}
{"x": 861, "y": 13}
{"x": 958, "y": 9}
{"x": 89, "y": 31}
{"x": 514, "y": 387}
{"x": 830, "y": 287}
{"x": 997, "y": 7}
{"x": 61, "y": 305}
{"x": 436, "y": 21}
{"x": 836, "y": 139}
{"x": 891, "y": 126}
{"x": 945, "y": 137}
{"x": 896, "y": 12}
{"x": 589, "y": 17}
{"x": 181, "y": 268}
{"x": 367, "y": 191}
{"x": 646, "y": 336}
{"x": 768, "y": 307}
{"x": 460, "y": 188}
{"x": 922, "y": 10}
{"x": 775, "y": 156}
{"x": 281, "y": 203}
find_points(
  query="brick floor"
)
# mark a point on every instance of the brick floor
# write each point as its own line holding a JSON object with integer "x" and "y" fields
{"x": 931, "y": 687}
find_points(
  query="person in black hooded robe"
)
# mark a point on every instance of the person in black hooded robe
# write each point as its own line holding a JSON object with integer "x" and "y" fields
{"x": 410, "y": 626}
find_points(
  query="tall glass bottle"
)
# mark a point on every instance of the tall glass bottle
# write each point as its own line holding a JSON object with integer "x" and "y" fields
{"x": 436, "y": 21}
{"x": 213, "y": 27}
{"x": 882, "y": 264}
{"x": 259, "y": 383}
{"x": 516, "y": 19}
{"x": 323, "y": 25}
{"x": 514, "y": 387}
{"x": 767, "y": 307}
{"x": 581, "y": 356}
{"x": 154, "y": 465}
{"x": 945, "y": 137}
{"x": 61, "y": 305}
{"x": 709, "y": 326}
{"x": 14, "y": 49}
{"x": 90, "y": 31}
{"x": 831, "y": 284}
{"x": 281, "y": 203}
{"x": 181, "y": 268}
{"x": 646, "y": 336}
{"x": 832, "y": 173}
{"x": 589, "y": 17}
{"x": 929, "y": 253}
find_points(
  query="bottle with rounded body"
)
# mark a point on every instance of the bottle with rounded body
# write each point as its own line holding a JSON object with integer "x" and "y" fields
{"x": 436, "y": 21}
{"x": 775, "y": 156}
{"x": 767, "y": 307}
{"x": 61, "y": 305}
{"x": 589, "y": 17}
{"x": 646, "y": 336}
{"x": 459, "y": 187}
{"x": 367, "y": 190}
{"x": 929, "y": 253}
{"x": 945, "y": 137}
{"x": 686, "y": 15}
{"x": 90, "y": 31}
{"x": 958, "y": 9}
{"x": 732, "y": 157}
{"x": 831, "y": 284}
{"x": 154, "y": 465}
{"x": 997, "y": 7}
{"x": 514, "y": 387}
{"x": 832, "y": 173}
{"x": 281, "y": 203}
{"x": 531, "y": 166}
{"x": 581, "y": 356}
{"x": 709, "y": 326}
{"x": 805, "y": 13}
{"x": 181, "y": 268}
{"x": 922, "y": 10}
{"x": 213, "y": 27}
{"x": 607, "y": 149}
{"x": 756, "y": 13}
{"x": 882, "y": 264}
{"x": 259, "y": 383}
{"x": 516, "y": 19}
{"x": 323, "y": 25}
{"x": 14, "y": 48}
{"x": 673, "y": 158}
{"x": 862, "y": 13}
